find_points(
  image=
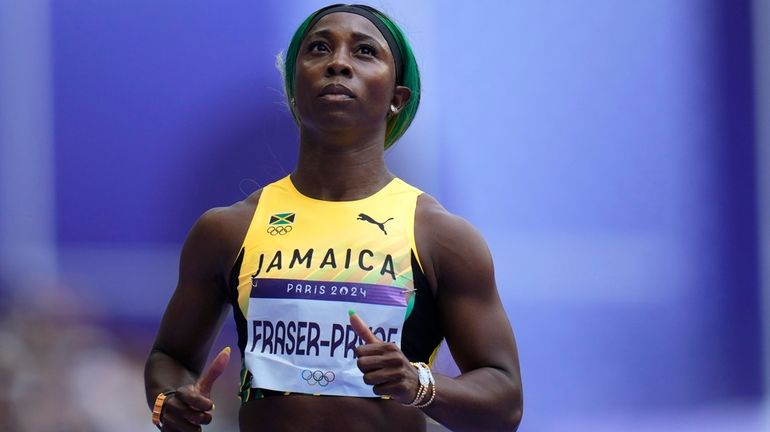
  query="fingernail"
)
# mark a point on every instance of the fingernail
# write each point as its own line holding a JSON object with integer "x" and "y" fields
{"x": 213, "y": 407}
{"x": 351, "y": 312}
{"x": 227, "y": 350}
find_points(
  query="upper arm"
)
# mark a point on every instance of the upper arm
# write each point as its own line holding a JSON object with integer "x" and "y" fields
{"x": 459, "y": 266}
{"x": 199, "y": 305}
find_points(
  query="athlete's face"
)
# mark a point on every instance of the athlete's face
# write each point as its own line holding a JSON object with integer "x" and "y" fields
{"x": 345, "y": 75}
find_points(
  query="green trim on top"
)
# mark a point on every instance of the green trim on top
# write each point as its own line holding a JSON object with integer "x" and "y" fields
{"x": 409, "y": 306}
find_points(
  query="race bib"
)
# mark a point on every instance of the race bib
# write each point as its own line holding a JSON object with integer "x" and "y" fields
{"x": 300, "y": 339}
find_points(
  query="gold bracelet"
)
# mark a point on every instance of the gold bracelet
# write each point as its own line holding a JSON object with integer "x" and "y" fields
{"x": 421, "y": 392}
{"x": 157, "y": 409}
{"x": 433, "y": 392}
{"x": 423, "y": 373}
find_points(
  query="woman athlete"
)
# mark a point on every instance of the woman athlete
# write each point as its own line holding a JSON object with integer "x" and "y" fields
{"x": 342, "y": 279}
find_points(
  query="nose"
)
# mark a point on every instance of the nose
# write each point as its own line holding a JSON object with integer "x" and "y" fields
{"x": 339, "y": 65}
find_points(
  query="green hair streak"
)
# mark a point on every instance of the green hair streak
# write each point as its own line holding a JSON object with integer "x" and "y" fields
{"x": 398, "y": 124}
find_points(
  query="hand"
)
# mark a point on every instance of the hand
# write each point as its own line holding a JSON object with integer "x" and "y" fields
{"x": 191, "y": 405}
{"x": 384, "y": 365}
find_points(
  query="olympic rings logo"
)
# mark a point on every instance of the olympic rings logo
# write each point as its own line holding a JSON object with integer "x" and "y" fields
{"x": 319, "y": 377}
{"x": 278, "y": 229}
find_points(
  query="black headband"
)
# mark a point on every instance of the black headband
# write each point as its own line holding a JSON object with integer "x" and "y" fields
{"x": 366, "y": 12}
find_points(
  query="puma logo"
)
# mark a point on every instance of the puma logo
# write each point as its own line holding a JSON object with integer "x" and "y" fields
{"x": 367, "y": 218}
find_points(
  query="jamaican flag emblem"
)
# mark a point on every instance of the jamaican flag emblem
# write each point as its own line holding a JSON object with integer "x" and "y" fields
{"x": 280, "y": 223}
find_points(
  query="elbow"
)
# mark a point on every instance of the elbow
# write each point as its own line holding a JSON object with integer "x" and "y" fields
{"x": 510, "y": 406}
{"x": 516, "y": 411}
{"x": 514, "y": 419}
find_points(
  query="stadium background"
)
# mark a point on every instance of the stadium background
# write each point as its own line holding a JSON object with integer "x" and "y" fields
{"x": 616, "y": 156}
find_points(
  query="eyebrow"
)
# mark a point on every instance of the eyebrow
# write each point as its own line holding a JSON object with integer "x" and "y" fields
{"x": 357, "y": 36}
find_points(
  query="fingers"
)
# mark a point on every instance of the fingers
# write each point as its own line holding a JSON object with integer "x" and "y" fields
{"x": 399, "y": 384}
{"x": 371, "y": 357}
{"x": 382, "y": 376}
{"x": 175, "y": 423}
{"x": 206, "y": 381}
{"x": 191, "y": 405}
{"x": 190, "y": 397}
{"x": 385, "y": 367}
{"x": 198, "y": 418}
{"x": 400, "y": 391}
{"x": 361, "y": 329}
{"x": 178, "y": 415}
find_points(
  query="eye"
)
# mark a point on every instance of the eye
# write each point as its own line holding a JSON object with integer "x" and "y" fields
{"x": 317, "y": 46}
{"x": 367, "y": 50}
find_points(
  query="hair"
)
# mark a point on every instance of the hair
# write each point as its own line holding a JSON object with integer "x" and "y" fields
{"x": 410, "y": 76}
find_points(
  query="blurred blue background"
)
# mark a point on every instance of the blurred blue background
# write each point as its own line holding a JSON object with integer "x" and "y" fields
{"x": 616, "y": 156}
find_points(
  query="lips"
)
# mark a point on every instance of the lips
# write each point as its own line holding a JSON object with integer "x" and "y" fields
{"x": 336, "y": 92}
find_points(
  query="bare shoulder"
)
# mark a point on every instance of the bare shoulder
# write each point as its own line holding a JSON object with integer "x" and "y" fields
{"x": 448, "y": 244}
{"x": 223, "y": 220}
{"x": 219, "y": 232}
{"x": 442, "y": 222}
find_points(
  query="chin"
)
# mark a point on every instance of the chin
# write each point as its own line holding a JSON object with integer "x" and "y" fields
{"x": 332, "y": 121}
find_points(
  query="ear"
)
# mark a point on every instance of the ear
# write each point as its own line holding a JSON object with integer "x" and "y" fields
{"x": 401, "y": 96}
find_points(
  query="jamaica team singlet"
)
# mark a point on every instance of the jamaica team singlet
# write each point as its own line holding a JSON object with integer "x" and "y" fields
{"x": 303, "y": 265}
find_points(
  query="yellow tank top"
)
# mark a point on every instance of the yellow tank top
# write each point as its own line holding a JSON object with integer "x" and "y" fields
{"x": 330, "y": 248}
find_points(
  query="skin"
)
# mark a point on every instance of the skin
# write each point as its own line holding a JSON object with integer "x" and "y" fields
{"x": 342, "y": 158}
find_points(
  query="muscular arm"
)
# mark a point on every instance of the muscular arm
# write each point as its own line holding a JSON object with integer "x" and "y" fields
{"x": 199, "y": 305}
{"x": 458, "y": 265}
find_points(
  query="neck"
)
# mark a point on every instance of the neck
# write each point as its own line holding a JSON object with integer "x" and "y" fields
{"x": 340, "y": 167}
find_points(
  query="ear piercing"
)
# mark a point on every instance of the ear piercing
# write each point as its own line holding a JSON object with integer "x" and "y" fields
{"x": 392, "y": 108}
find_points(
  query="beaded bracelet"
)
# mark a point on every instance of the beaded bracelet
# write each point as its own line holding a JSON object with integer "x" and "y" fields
{"x": 426, "y": 383}
{"x": 433, "y": 390}
{"x": 423, "y": 381}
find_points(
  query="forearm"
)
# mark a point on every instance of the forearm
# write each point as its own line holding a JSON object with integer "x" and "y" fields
{"x": 484, "y": 399}
{"x": 162, "y": 373}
